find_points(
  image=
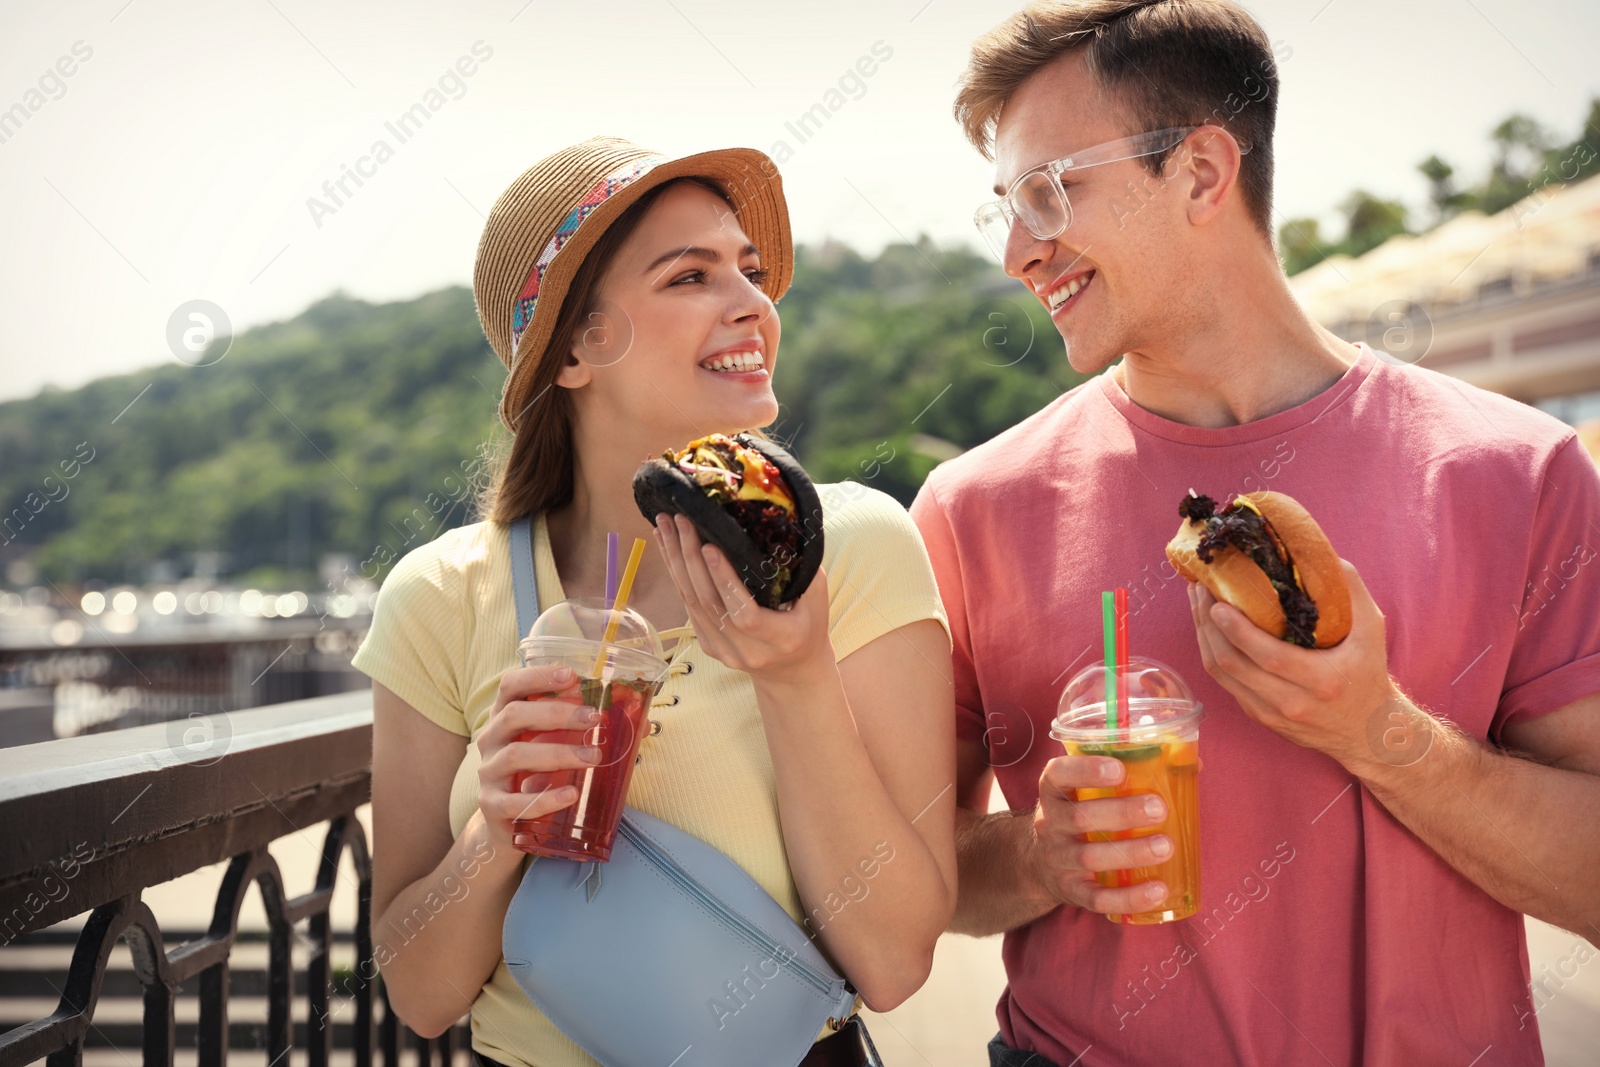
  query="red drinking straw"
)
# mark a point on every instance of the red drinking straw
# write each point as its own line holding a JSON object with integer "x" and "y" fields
{"x": 1122, "y": 656}
{"x": 1124, "y": 878}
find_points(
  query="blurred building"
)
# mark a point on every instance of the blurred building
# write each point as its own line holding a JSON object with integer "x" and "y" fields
{"x": 128, "y": 656}
{"x": 1509, "y": 302}
{"x": 1589, "y": 432}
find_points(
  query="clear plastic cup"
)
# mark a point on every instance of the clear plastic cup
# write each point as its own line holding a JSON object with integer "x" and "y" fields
{"x": 631, "y": 672}
{"x": 1158, "y": 742}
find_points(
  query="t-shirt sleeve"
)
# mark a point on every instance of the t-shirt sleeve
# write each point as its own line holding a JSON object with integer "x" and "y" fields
{"x": 934, "y": 525}
{"x": 1555, "y": 657}
{"x": 879, "y": 579}
{"x": 416, "y": 644}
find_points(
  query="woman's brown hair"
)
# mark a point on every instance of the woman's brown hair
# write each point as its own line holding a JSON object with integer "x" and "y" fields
{"x": 531, "y": 471}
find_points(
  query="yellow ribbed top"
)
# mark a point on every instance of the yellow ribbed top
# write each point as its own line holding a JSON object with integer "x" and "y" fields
{"x": 444, "y": 630}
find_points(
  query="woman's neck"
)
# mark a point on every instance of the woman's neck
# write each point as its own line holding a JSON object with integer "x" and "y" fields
{"x": 602, "y": 502}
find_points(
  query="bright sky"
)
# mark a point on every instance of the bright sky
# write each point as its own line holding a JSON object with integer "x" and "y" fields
{"x": 175, "y": 162}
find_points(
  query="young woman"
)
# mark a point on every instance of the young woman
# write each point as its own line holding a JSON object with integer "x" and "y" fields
{"x": 631, "y": 297}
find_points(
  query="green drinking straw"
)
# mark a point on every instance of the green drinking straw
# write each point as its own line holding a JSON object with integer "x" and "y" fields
{"x": 1108, "y": 616}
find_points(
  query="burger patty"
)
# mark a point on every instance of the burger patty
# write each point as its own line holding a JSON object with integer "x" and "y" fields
{"x": 1247, "y": 531}
{"x": 775, "y": 533}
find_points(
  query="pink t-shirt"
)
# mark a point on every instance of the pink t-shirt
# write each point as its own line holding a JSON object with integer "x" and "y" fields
{"x": 1327, "y": 930}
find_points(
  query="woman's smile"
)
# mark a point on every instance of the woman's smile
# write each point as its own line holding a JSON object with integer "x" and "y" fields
{"x": 741, "y": 362}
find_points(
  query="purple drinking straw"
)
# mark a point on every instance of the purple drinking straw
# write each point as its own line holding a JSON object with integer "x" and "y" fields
{"x": 611, "y": 568}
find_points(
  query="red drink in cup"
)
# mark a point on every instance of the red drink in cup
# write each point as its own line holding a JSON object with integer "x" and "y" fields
{"x": 620, "y": 677}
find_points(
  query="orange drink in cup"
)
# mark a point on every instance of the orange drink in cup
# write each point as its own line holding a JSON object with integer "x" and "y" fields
{"x": 1155, "y": 734}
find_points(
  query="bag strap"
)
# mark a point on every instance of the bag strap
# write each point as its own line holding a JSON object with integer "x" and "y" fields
{"x": 527, "y": 597}
{"x": 522, "y": 581}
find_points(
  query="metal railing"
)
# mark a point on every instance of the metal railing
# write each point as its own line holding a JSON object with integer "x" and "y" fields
{"x": 91, "y": 822}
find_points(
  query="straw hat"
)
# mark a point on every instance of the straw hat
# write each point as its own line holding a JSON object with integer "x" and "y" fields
{"x": 542, "y": 227}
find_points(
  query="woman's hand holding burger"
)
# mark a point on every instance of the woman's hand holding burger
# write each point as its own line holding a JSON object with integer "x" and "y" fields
{"x": 789, "y": 644}
{"x": 740, "y": 525}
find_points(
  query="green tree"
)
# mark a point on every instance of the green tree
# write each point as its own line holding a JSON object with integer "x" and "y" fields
{"x": 1447, "y": 201}
{"x": 1521, "y": 145}
{"x": 1370, "y": 221}
{"x": 1527, "y": 157}
{"x": 1300, "y": 244}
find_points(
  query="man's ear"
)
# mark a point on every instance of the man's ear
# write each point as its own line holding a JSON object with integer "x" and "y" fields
{"x": 1213, "y": 165}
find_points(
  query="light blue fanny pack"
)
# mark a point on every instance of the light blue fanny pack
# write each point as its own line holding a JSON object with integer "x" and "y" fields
{"x": 668, "y": 955}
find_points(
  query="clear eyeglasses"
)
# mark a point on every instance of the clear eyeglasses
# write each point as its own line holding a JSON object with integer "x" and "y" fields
{"x": 1038, "y": 200}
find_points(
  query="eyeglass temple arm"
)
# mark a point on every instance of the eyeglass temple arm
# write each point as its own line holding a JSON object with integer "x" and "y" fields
{"x": 1134, "y": 147}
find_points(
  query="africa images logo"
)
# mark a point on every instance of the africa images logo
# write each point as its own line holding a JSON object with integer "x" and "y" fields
{"x": 336, "y": 192}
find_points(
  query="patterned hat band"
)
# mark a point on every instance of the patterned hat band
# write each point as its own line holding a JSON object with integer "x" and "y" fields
{"x": 528, "y": 296}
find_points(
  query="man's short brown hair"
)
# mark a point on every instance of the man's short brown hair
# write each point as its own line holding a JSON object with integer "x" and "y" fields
{"x": 1168, "y": 63}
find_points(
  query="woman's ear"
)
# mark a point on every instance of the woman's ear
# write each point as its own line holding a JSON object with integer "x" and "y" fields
{"x": 575, "y": 372}
{"x": 602, "y": 339}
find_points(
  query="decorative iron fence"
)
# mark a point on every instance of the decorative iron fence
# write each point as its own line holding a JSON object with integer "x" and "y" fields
{"x": 91, "y": 822}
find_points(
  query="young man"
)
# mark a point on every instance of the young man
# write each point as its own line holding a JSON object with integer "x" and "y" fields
{"x": 1374, "y": 817}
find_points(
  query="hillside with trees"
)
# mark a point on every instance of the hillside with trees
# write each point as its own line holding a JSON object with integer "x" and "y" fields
{"x": 327, "y": 433}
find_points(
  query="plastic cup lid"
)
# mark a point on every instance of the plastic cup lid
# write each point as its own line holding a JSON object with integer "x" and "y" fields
{"x": 1151, "y": 686}
{"x": 586, "y": 620}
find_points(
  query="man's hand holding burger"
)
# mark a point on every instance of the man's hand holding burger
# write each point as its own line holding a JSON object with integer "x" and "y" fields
{"x": 1502, "y": 821}
{"x": 1308, "y": 661}
{"x": 1325, "y": 698}
{"x": 1290, "y": 629}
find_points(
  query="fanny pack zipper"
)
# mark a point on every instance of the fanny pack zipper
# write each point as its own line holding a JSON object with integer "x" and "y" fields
{"x": 752, "y": 933}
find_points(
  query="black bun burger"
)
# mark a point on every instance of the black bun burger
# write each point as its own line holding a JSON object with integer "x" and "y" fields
{"x": 748, "y": 497}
